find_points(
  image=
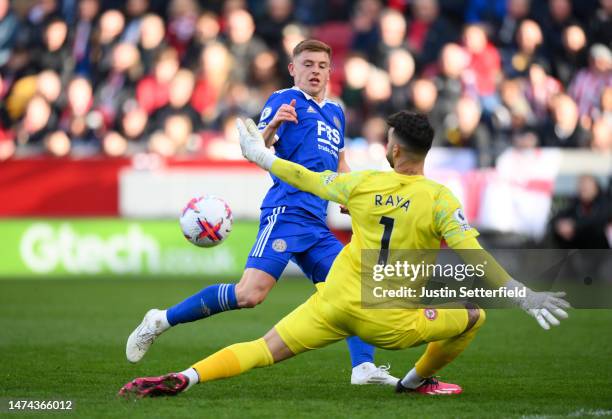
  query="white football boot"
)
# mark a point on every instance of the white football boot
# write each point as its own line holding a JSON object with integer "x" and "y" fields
{"x": 141, "y": 339}
{"x": 368, "y": 373}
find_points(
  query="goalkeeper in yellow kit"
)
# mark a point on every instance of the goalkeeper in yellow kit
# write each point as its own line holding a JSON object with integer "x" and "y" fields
{"x": 399, "y": 209}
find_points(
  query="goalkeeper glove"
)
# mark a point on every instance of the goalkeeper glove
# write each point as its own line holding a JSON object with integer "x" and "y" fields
{"x": 253, "y": 146}
{"x": 546, "y": 307}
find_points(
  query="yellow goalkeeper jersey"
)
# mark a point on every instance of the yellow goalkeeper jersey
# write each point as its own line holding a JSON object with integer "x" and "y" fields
{"x": 389, "y": 211}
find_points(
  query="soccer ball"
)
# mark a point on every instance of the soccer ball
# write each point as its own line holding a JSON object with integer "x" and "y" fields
{"x": 206, "y": 221}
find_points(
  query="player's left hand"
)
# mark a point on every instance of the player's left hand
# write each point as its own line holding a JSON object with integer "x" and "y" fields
{"x": 545, "y": 306}
{"x": 252, "y": 144}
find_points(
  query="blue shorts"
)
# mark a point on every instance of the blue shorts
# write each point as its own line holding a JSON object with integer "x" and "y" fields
{"x": 289, "y": 234}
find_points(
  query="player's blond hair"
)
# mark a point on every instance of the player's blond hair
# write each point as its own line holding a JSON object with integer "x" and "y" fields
{"x": 312, "y": 45}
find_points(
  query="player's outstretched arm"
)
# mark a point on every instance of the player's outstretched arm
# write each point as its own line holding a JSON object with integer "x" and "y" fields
{"x": 327, "y": 185}
{"x": 546, "y": 307}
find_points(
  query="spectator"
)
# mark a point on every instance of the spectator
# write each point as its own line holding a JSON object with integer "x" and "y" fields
{"x": 377, "y": 93}
{"x": 80, "y": 38}
{"x": 38, "y": 121}
{"x": 226, "y": 144}
{"x": 582, "y": 225}
{"x": 9, "y": 27}
{"x": 517, "y": 60}
{"x": 357, "y": 71}
{"x": 40, "y": 12}
{"x": 364, "y": 21}
{"x": 424, "y": 99}
{"x": 463, "y": 129}
{"x": 573, "y": 56}
{"x": 601, "y": 24}
{"x": 176, "y": 137}
{"x": 151, "y": 42}
{"x": 114, "y": 145}
{"x": 119, "y": 84}
{"x": 428, "y": 31}
{"x": 18, "y": 97}
{"x": 601, "y": 136}
{"x": 375, "y": 130}
{"x": 564, "y": 130}
{"x": 161, "y": 144}
{"x": 585, "y": 88}
{"x": 279, "y": 13}
{"x": 558, "y": 17}
{"x": 240, "y": 99}
{"x": 109, "y": 30}
{"x": 207, "y": 31}
{"x": 152, "y": 91}
{"x": 179, "y": 130}
{"x": 605, "y": 106}
{"x": 392, "y": 27}
{"x": 78, "y": 119}
{"x": 180, "y": 92}
{"x": 182, "y": 18}
{"x": 133, "y": 125}
{"x": 484, "y": 67}
{"x": 55, "y": 53}
{"x": 49, "y": 86}
{"x": 131, "y": 135}
{"x": 212, "y": 80}
{"x": 264, "y": 75}
{"x": 58, "y": 144}
{"x": 134, "y": 11}
{"x": 293, "y": 34}
{"x": 7, "y": 148}
{"x": 539, "y": 89}
{"x": 517, "y": 12}
{"x": 515, "y": 114}
{"x": 401, "y": 68}
{"x": 453, "y": 61}
{"x": 243, "y": 44}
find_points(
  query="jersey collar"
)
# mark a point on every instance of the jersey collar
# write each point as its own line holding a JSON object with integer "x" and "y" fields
{"x": 308, "y": 97}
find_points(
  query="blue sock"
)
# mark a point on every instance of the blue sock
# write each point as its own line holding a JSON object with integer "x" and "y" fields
{"x": 360, "y": 351}
{"x": 211, "y": 300}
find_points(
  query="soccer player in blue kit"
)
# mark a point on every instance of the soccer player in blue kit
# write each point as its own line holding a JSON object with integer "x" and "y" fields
{"x": 308, "y": 129}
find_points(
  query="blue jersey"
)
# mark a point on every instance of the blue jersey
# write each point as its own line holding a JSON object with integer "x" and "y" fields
{"x": 314, "y": 142}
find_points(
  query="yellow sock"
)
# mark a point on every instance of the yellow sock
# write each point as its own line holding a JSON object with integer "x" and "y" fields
{"x": 234, "y": 360}
{"x": 440, "y": 353}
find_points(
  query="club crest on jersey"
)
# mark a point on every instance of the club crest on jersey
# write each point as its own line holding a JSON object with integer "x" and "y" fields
{"x": 267, "y": 111}
{"x": 336, "y": 122}
{"x": 279, "y": 245}
{"x": 430, "y": 313}
{"x": 392, "y": 200}
{"x": 460, "y": 217}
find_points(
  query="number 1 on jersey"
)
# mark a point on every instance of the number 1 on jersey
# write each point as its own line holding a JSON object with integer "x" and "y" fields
{"x": 386, "y": 239}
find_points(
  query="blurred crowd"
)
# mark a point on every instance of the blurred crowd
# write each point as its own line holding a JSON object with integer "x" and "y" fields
{"x": 90, "y": 77}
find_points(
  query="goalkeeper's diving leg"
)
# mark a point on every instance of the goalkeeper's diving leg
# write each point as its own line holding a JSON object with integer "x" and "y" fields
{"x": 301, "y": 330}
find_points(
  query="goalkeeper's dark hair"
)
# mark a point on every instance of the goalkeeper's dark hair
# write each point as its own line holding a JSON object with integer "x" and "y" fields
{"x": 413, "y": 130}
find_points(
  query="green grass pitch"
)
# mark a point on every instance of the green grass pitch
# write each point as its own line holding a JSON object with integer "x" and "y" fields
{"x": 65, "y": 340}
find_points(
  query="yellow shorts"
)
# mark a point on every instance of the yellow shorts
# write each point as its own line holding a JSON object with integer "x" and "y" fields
{"x": 316, "y": 324}
{"x": 306, "y": 328}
